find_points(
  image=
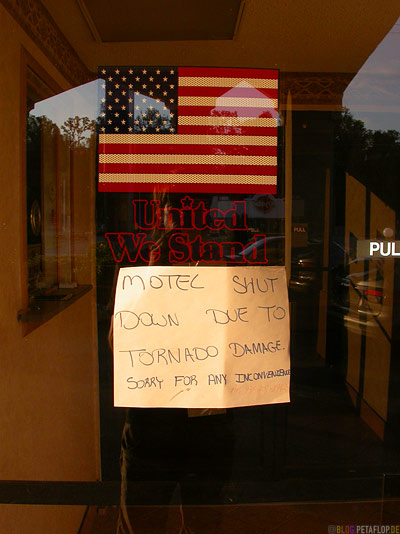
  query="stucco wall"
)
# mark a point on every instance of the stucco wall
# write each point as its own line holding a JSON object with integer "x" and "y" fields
{"x": 17, "y": 519}
{"x": 48, "y": 379}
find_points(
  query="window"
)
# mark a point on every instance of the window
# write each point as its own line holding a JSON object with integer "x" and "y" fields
{"x": 59, "y": 152}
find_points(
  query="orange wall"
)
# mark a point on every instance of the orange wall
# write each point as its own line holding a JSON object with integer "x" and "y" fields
{"x": 39, "y": 519}
{"x": 49, "y": 379}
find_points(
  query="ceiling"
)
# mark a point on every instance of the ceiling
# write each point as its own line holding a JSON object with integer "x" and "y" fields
{"x": 292, "y": 35}
{"x": 173, "y": 20}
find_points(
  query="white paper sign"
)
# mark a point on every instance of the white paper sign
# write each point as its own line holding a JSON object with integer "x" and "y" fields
{"x": 201, "y": 337}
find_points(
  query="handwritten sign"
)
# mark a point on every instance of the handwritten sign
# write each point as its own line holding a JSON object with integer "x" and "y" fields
{"x": 201, "y": 337}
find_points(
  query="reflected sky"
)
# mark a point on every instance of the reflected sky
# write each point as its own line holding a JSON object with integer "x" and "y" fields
{"x": 373, "y": 96}
{"x": 82, "y": 101}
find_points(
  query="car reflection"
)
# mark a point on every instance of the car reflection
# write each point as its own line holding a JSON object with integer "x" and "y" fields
{"x": 306, "y": 269}
{"x": 254, "y": 251}
{"x": 358, "y": 296}
{"x": 305, "y": 263}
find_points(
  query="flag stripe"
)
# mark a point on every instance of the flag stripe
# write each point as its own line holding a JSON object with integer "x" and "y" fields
{"x": 184, "y": 187}
{"x": 228, "y": 82}
{"x": 144, "y": 168}
{"x": 238, "y": 131}
{"x": 226, "y": 112}
{"x": 253, "y": 150}
{"x": 225, "y": 72}
{"x": 223, "y": 101}
{"x": 259, "y": 122}
{"x": 187, "y": 159}
{"x": 187, "y": 178}
{"x": 158, "y": 139}
{"x": 240, "y": 92}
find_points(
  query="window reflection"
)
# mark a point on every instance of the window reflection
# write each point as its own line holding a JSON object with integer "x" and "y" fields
{"x": 58, "y": 149}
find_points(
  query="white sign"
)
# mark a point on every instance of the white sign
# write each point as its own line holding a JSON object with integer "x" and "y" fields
{"x": 378, "y": 249}
{"x": 201, "y": 337}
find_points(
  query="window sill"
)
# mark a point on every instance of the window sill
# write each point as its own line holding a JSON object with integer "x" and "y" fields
{"x": 46, "y": 306}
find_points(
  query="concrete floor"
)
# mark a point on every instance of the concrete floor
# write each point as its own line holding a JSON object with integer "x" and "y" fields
{"x": 282, "y": 518}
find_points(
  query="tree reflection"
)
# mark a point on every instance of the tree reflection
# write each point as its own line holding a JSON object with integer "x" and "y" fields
{"x": 77, "y": 131}
{"x": 372, "y": 156}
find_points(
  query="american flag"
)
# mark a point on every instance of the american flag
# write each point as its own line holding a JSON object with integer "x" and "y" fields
{"x": 188, "y": 129}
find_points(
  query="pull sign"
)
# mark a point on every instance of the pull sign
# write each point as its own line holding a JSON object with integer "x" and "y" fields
{"x": 378, "y": 249}
{"x": 384, "y": 248}
{"x": 299, "y": 234}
